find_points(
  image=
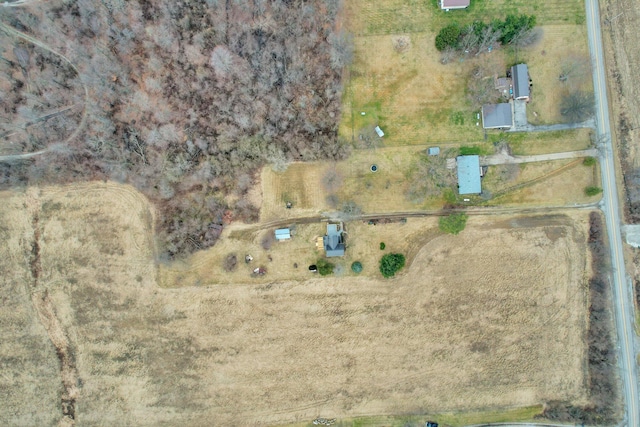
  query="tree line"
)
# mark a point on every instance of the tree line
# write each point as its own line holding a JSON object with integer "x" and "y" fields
{"x": 478, "y": 37}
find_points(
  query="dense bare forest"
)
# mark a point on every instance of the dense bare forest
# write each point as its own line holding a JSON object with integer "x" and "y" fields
{"x": 183, "y": 99}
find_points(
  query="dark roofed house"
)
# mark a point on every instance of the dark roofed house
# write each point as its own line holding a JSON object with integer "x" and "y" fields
{"x": 469, "y": 175}
{"x": 497, "y": 116}
{"x": 454, "y": 4}
{"x": 520, "y": 79}
{"x": 333, "y": 241}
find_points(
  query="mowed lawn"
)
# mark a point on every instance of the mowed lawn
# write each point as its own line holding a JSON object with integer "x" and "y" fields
{"x": 410, "y": 16}
{"x": 415, "y": 98}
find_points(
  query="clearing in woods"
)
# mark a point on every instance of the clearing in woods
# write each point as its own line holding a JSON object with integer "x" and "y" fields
{"x": 492, "y": 318}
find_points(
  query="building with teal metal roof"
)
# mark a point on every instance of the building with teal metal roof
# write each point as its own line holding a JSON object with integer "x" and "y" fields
{"x": 469, "y": 175}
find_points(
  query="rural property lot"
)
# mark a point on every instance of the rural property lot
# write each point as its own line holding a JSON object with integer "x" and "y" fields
{"x": 416, "y": 99}
{"x": 494, "y": 317}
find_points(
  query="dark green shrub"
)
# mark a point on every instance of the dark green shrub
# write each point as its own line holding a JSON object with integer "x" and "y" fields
{"x": 382, "y": 246}
{"x": 453, "y": 224}
{"x": 592, "y": 191}
{"x": 356, "y": 267}
{"x": 448, "y": 37}
{"x": 324, "y": 267}
{"x": 390, "y": 264}
{"x": 589, "y": 161}
{"x": 512, "y": 26}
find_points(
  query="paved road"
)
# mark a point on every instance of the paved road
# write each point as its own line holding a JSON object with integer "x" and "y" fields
{"x": 622, "y": 292}
{"x": 506, "y": 158}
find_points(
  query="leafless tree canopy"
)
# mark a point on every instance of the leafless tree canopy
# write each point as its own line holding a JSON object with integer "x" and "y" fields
{"x": 184, "y": 97}
{"x": 481, "y": 87}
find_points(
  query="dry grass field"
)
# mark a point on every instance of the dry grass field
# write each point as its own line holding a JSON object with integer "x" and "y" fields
{"x": 531, "y": 143}
{"x": 30, "y": 377}
{"x": 560, "y": 45}
{"x": 416, "y": 99}
{"x": 301, "y": 184}
{"x": 554, "y": 183}
{"x": 387, "y": 190}
{"x": 492, "y": 318}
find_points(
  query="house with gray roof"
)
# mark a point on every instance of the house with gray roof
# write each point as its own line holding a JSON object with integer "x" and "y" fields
{"x": 520, "y": 81}
{"x": 333, "y": 241}
{"x": 497, "y": 116}
{"x": 454, "y": 4}
{"x": 469, "y": 174}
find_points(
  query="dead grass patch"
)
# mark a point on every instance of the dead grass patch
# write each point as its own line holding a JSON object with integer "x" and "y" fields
{"x": 532, "y": 143}
{"x": 301, "y": 184}
{"x": 412, "y": 96}
{"x": 382, "y": 191}
{"x": 30, "y": 380}
{"x": 557, "y": 183}
{"x": 546, "y": 61}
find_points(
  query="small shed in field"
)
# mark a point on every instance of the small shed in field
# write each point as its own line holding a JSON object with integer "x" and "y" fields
{"x": 433, "y": 151}
{"x": 469, "y": 174}
{"x": 379, "y": 131}
{"x": 283, "y": 234}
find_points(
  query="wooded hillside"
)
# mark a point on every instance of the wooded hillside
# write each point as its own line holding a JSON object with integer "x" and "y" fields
{"x": 184, "y": 99}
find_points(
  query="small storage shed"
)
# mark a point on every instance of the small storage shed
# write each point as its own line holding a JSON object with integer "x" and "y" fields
{"x": 283, "y": 234}
{"x": 433, "y": 151}
{"x": 379, "y": 131}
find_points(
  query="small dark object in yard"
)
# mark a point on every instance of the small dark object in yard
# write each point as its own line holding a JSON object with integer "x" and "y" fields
{"x": 289, "y": 205}
{"x": 382, "y": 246}
{"x": 431, "y": 424}
{"x": 260, "y": 271}
{"x": 313, "y": 268}
{"x": 269, "y": 258}
{"x": 295, "y": 265}
{"x": 374, "y": 168}
{"x": 248, "y": 258}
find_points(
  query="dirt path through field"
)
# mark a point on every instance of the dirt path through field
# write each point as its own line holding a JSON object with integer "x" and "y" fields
{"x": 46, "y": 313}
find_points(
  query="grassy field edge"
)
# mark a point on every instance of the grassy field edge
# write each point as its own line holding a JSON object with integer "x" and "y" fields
{"x": 452, "y": 419}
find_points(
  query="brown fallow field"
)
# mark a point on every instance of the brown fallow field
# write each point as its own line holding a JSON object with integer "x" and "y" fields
{"x": 492, "y": 318}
